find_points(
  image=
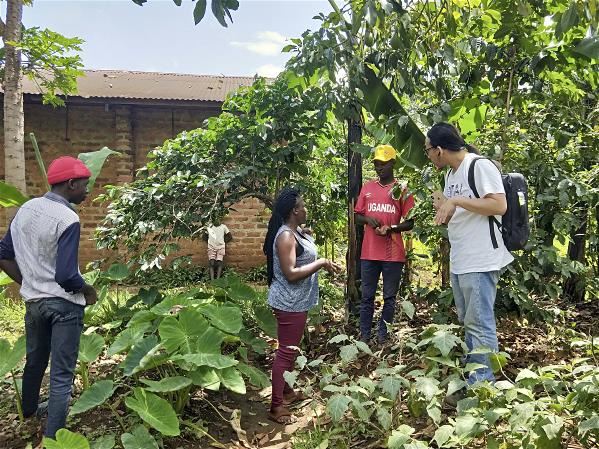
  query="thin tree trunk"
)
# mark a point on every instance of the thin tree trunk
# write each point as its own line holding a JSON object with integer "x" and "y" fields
{"x": 355, "y": 232}
{"x": 14, "y": 147}
{"x": 574, "y": 287}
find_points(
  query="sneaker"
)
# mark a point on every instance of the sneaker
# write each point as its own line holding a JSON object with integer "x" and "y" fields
{"x": 42, "y": 410}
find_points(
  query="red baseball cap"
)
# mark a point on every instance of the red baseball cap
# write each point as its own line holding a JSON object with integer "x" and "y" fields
{"x": 65, "y": 168}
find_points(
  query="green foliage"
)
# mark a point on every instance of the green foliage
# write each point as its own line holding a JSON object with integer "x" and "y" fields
{"x": 155, "y": 411}
{"x": 536, "y": 410}
{"x": 519, "y": 82}
{"x": 95, "y": 161}
{"x": 104, "y": 442}
{"x": 171, "y": 344}
{"x": 95, "y": 395}
{"x": 10, "y": 196}
{"x": 268, "y": 135}
{"x": 139, "y": 438}
{"x": 221, "y": 9}
{"x": 52, "y": 61}
{"x": 65, "y": 439}
{"x": 90, "y": 347}
{"x": 11, "y": 356}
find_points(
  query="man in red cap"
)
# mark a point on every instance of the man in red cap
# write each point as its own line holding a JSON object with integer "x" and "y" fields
{"x": 40, "y": 252}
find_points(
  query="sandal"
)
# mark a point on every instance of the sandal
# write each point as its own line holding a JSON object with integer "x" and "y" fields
{"x": 281, "y": 415}
{"x": 293, "y": 399}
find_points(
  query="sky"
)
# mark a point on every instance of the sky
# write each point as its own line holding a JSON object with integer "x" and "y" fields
{"x": 161, "y": 37}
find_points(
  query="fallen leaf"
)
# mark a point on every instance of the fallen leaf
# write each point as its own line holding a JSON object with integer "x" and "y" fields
{"x": 236, "y": 425}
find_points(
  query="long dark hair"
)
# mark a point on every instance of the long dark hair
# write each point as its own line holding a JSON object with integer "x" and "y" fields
{"x": 448, "y": 137}
{"x": 284, "y": 204}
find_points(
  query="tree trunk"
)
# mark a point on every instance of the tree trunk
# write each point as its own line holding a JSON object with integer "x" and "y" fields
{"x": 574, "y": 287}
{"x": 14, "y": 147}
{"x": 355, "y": 232}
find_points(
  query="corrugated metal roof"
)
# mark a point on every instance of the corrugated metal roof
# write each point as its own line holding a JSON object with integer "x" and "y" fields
{"x": 151, "y": 85}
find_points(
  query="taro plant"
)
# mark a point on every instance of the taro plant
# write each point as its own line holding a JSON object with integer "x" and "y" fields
{"x": 171, "y": 345}
{"x": 90, "y": 347}
{"x": 10, "y": 358}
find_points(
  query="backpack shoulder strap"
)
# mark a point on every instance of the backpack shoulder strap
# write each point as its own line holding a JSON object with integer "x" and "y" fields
{"x": 472, "y": 184}
{"x": 471, "y": 180}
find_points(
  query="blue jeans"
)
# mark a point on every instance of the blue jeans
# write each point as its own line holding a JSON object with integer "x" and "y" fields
{"x": 371, "y": 271}
{"x": 474, "y": 295}
{"x": 52, "y": 329}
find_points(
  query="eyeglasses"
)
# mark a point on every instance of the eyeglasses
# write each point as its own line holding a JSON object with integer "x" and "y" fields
{"x": 427, "y": 149}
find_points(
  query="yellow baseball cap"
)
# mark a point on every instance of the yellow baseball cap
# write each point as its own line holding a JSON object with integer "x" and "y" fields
{"x": 384, "y": 153}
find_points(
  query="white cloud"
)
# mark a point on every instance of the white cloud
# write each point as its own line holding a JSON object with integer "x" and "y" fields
{"x": 268, "y": 43}
{"x": 269, "y": 70}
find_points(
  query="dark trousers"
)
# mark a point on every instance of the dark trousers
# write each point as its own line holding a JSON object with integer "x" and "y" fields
{"x": 290, "y": 329}
{"x": 371, "y": 271}
{"x": 53, "y": 329}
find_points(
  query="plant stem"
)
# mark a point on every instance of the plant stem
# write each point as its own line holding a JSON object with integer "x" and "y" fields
{"x": 40, "y": 161}
{"x": 83, "y": 371}
{"x": 117, "y": 416}
{"x": 18, "y": 397}
{"x": 216, "y": 410}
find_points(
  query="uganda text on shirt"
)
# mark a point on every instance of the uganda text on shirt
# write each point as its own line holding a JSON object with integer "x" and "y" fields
{"x": 377, "y": 207}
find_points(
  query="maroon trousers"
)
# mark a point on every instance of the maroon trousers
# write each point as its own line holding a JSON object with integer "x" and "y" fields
{"x": 290, "y": 328}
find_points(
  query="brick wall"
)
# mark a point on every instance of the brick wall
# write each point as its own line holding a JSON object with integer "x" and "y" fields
{"x": 132, "y": 130}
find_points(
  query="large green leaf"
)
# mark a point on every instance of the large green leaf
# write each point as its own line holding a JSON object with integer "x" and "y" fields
{"x": 400, "y": 436}
{"x": 226, "y": 318}
{"x": 167, "y": 384}
{"x": 90, "y": 347}
{"x": 127, "y": 338}
{"x": 391, "y": 386}
{"x": 231, "y": 379}
{"x": 65, "y": 439}
{"x": 445, "y": 341}
{"x": 256, "y": 376}
{"x": 337, "y": 406}
{"x": 266, "y": 320}
{"x": 5, "y": 279}
{"x": 171, "y": 303}
{"x": 132, "y": 362}
{"x": 11, "y": 356}
{"x": 117, "y": 272}
{"x": 139, "y": 438}
{"x": 104, "y": 442}
{"x": 95, "y": 395}
{"x": 183, "y": 331}
{"x": 95, "y": 161}
{"x": 206, "y": 377}
{"x": 408, "y": 139}
{"x": 10, "y": 196}
{"x": 212, "y": 360}
{"x": 155, "y": 411}
{"x": 588, "y": 47}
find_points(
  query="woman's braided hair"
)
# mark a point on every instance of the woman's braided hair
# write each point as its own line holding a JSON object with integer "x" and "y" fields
{"x": 284, "y": 204}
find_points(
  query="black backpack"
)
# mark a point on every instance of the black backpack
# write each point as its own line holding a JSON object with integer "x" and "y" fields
{"x": 514, "y": 224}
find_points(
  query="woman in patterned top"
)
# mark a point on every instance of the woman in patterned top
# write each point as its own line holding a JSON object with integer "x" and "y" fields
{"x": 293, "y": 265}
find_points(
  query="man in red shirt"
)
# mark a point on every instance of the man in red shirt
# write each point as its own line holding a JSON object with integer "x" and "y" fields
{"x": 381, "y": 206}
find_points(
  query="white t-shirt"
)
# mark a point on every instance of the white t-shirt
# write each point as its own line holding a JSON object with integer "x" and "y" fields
{"x": 471, "y": 246}
{"x": 216, "y": 236}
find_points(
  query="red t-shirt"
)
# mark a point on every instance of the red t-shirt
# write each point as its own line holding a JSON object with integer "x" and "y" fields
{"x": 376, "y": 201}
